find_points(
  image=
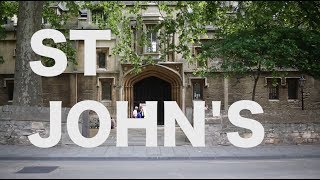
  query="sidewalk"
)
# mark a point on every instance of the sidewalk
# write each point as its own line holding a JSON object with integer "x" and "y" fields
{"x": 72, "y": 152}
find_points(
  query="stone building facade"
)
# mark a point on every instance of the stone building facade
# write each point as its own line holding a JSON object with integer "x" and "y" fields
{"x": 171, "y": 79}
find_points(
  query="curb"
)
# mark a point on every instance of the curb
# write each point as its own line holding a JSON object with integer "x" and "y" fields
{"x": 156, "y": 158}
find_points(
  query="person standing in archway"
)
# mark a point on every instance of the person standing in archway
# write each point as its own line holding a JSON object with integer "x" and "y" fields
{"x": 142, "y": 111}
{"x": 135, "y": 112}
{"x": 139, "y": 114}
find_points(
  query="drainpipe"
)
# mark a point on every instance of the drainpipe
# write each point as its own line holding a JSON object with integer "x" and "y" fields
{"x": 76, "y": 81}
{"x": 226, "y": 93}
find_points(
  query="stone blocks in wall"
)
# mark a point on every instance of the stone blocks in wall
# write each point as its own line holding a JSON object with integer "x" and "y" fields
{"x": 94, "y": 122}
{"x": 17, "y": 123}
{"x": 274, "y": 134}
{"x": 281, "y": 127}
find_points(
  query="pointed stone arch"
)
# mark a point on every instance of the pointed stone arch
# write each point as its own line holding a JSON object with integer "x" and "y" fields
{"x": 160, "y": 71}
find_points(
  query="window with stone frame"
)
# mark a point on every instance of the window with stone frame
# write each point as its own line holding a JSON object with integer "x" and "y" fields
{"x": 106, "y": 89}
{"x": 10, "y": 88}
{"x": 170, "y": 47}
{"x": 152, "y": 41}
{"x": 102, "y": 54}
{"x": 293, "y": 88}
{"x": 134, "y": 37}
{"x": 197, "y": 52}
{"x": 83, "y": 14}
{"x": 44, "y": 20}
{"x": 274, "y": 86}
{"x": 98, "y": 16}
{"x": 197, "y": 89}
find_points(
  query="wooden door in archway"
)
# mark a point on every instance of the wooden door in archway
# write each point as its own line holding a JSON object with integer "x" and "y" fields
{"x": 152, "y": 89}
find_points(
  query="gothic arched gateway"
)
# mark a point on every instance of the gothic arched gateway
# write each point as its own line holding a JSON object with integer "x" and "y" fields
{"x": 154, "y": 83}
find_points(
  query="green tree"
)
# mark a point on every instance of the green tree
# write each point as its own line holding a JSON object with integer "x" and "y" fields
{"x": 252, "y": 52}
{"x": 265, "y": 36}
{"x": 308, "y": 44}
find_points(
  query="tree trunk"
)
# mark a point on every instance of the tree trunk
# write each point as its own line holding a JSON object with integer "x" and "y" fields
{"x": 256, "y": 79}
{"x": 27, "y": 84}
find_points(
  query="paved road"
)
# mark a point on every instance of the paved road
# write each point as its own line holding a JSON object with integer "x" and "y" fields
{"x": 271, "y": 168}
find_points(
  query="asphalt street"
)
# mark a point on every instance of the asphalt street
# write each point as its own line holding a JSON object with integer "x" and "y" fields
{"x": 229, "y": 168}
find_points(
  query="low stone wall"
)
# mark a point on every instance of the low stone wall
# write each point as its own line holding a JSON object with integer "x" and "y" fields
{"x": 281, "y": 127}
{"x": 280, "y": 133}
{"x": 17, "y": 123}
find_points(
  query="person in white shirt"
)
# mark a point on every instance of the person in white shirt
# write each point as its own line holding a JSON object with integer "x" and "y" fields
{"x": 135, "y": 112}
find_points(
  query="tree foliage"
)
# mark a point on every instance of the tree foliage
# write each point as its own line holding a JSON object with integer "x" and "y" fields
{"x": 59, "y": 21}
{"x": 188, "y": 24}
{"x": 28, "y": 85}
{"x": 7, "y": 10}
{"x": 266, "y": 36}
{"x": 308, "y": 45}
{"x": 10, "y": 8}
